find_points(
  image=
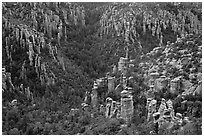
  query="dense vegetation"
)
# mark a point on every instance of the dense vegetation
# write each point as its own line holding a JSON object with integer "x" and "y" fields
{"x": 59, "y": 49}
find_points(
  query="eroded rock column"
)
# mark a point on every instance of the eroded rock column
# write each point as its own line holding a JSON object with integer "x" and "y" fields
{"x": 127, "y": 107}
{"x": 111, "y": 84}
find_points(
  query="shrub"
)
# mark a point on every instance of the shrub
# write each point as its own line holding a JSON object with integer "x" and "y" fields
{"x": 145, "y": 128}
{"x": 84, "y": 120}
{"x": 14, "y": 131}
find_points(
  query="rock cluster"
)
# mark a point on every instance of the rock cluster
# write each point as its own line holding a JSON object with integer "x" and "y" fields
{"x": 179, "y": 65}
{"x": 173, "y": 75}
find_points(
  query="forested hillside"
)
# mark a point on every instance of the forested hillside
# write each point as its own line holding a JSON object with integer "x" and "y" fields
{"x": 54, "y": 52}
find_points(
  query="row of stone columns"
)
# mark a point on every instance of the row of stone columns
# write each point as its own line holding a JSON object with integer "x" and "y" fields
{"x": 122, "y": 109}
{"x": 8, "y": 85}
{"x": 176, "y": 86}
{"x": 164, "y": 114}
{"x": 112, "y": 108}
{"x": 126, "y": 100}
{"x": 6, "y": 76}
{"x": 127, "y": 107}
{"x": 157, "y": 83}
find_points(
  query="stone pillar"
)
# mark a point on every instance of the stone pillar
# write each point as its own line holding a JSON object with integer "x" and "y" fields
{"x": 86, "y": 97}
{"x": 108, "y": 107}
{"x": 28, "y": 93}
{"x": 94, "y": 98}
{"x": 170, "y": 108}
{"x": 111, "y": 84}
{"x": 118, "y": 106}
{"x": 162, "y": 107}
{"x": 122, "y": 63}
{"x": 124, "y": 82}
{"x": 114, "y": 69}
{"x": 113, "y": 108}
{"x": 151, "y": 109}
{"x": 148, "y": 102}
{"x": 157, "y": 85}
{"x": 4, "y": 77}
{"x": 9, "y": 79}
{"x": 127, "y": 107}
